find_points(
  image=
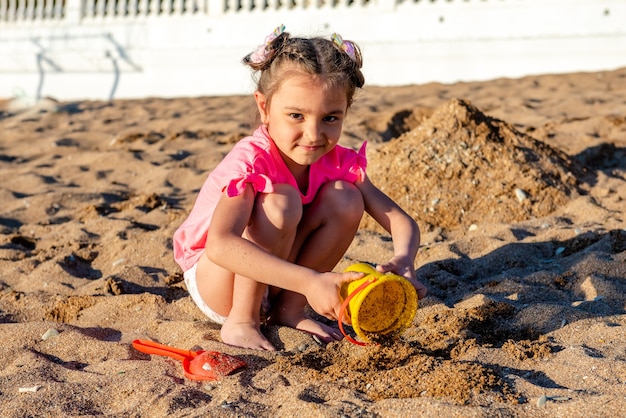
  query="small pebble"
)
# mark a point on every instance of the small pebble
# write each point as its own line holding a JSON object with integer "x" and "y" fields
{"x": 29, "y": 389}
{"x": 560, "y": 398}
{"x": 559, "y": 250}
{"x": 209, "y": 387}
{"x": 541, "y": 402}
{"x": 118, "y": 261}
{"x": 228, "y": 405}
{"x": 473, "y": 227}
{"x": 51, "y": 332}
{"x": 521, "y": 195}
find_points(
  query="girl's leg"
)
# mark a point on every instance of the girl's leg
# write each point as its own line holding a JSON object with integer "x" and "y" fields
{"x": 273, "y": 227}
{"x": 328, "y": 226}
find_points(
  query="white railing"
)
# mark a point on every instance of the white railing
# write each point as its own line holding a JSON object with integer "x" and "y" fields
{"x": 43, "y": 11}
{"x": 243, "y": 6}
{"x": 31, "y": 10}
{"x": 136, "y": 48}
{"x": 129, "y": 9}
{"x": 57, "y": 10}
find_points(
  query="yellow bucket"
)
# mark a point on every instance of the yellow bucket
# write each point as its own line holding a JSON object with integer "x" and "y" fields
{"x": 379, "y": 304}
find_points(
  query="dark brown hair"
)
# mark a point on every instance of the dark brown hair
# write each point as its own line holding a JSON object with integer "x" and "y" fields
{"x": 315, "y": 56}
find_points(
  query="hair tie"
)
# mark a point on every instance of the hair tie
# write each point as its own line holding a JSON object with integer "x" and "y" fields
{"x": 345, "y": 46}
{"x": 259, "y": 55}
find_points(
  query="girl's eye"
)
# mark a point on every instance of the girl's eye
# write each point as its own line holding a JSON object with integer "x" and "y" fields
{"x": 331, "y": 118}
{"x": 295, "y": 115}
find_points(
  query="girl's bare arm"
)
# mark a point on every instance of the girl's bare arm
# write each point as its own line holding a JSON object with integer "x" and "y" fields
{"x": 403, "y": 229}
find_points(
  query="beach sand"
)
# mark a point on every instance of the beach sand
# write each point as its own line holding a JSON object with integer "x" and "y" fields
{"x": 519, "y": 189}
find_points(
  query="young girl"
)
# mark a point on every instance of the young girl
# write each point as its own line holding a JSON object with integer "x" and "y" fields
{"x": 278, "y": 213}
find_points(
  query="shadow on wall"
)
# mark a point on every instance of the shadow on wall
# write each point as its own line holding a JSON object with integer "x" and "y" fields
{"x": 113, "y": 54}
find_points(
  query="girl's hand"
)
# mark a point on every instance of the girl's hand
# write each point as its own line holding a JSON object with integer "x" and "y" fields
{"x": 403, "y": 266}
{"x": 323, "y": 295}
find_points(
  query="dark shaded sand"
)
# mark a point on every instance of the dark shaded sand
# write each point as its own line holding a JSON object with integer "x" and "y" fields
{"x": 519, "y": 189}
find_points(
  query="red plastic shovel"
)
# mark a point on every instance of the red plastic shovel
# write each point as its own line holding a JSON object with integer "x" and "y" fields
{"x": 197, "y": 365}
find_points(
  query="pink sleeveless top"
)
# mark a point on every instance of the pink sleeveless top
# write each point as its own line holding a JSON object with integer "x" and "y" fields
{"x": 255, "y": 160}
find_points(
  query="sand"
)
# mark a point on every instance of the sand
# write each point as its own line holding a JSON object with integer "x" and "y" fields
{"x": 518, "y": 186}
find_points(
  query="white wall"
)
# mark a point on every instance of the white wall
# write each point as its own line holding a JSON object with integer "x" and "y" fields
{"x": 95, "y": 52}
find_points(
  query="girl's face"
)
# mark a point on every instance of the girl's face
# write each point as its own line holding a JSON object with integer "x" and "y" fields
{"x": 304, "y": 119}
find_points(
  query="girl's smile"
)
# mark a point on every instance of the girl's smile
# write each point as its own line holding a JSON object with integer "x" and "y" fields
{"x": 310, "y": 149}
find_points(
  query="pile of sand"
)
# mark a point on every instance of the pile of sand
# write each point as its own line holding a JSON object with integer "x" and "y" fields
{"x": 460, "y": 167}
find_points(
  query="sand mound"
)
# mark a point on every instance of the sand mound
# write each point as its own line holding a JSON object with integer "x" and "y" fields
{"x": 461, "y": 166}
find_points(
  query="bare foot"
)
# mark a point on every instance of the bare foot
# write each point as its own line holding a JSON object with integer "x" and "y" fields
{"x": 304, "y": 323}
{"x": 245, "y": 335}
{"x": 325, "y": 332}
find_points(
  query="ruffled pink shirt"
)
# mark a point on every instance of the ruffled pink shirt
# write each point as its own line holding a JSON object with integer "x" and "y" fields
{"x": 255, "y": 160}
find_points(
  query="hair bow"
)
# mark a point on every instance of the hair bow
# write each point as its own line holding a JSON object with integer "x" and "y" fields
{"x": 345, "y": 46}
{"x": 260, "y": 54}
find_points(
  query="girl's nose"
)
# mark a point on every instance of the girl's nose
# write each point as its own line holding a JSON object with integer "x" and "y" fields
{"x": 313, "y": 131}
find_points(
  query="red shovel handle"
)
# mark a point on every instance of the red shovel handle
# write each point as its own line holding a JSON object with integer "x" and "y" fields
{"x": 151, "y": 347}
{"x": 344, "y": 307}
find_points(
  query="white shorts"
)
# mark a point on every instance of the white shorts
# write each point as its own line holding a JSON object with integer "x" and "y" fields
{"x": 192, "y": 287}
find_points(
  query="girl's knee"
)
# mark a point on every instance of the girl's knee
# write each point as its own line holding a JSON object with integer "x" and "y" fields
{"x": 343, "y": 200}
{"x": 281, "y": 209}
